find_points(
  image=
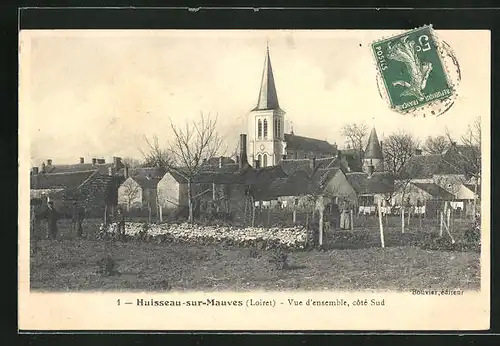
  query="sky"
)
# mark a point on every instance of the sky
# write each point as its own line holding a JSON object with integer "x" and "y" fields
{"x": 98, "y": 93}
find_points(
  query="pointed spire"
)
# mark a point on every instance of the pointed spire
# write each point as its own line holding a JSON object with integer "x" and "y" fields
{"x": 268, "y": 98}
{"x": 373, "y": 149}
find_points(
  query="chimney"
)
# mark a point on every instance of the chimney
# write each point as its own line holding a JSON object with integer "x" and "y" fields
{"x": 82, "y": 160}
{"x": 125, "y": 172}
{"x": 221, "y": 159}
{"x": 418, "y": 151}
{"x": 43, "y": 167}
{"x": 117, "y": 162}
{"x": 257, "y": 164}
{"x": 312, "y": 163}
{"x": 94, "y": 161}
{"x": 49, "y": 162}
{"x": 371, "y": 168}
{"x": 34, "y": 170}
{"x": 243, "y": 151}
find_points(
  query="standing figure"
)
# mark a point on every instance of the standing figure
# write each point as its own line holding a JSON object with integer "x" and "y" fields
{"x": 77, "y": 216}
{"x": 345, "y": 219}
{"x": 52, "y": 216}
{"x": 335, "y": 215}
{"x": 120, "y": 219}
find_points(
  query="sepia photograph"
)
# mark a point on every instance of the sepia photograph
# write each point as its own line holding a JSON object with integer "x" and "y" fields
{"x": 164, "y": 163}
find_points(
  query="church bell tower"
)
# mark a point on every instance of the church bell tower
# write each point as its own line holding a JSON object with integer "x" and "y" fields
{"x": 266, "y": 143}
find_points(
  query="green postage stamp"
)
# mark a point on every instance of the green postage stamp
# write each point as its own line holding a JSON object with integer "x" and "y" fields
{"x": 413, "y": 71}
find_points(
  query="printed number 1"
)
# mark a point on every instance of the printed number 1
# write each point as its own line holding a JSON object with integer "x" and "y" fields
{"x": 118, "y": 301}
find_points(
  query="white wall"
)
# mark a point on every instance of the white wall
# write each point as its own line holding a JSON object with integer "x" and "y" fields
{"x": 130, "y": 194}
{"x": 169, "y": 192}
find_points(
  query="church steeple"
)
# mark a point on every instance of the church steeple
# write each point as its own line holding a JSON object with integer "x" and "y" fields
{"x": 373, "y": 149}
{"x": 268, "y": 98}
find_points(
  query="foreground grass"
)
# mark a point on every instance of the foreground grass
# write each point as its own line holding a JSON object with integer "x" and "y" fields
{"x": 71, "y": 265}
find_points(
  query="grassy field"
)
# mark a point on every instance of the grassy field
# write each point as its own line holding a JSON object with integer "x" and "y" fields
{"x": 71, "y": 264}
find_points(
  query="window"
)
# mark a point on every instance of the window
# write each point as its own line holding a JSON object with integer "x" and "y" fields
{"x": 275, "y": 129}
{"x": 265, "y": 161}
{"x": 259, "y": 129}
{"x": 259, "y": 158}
{"x": 265, "y": 128}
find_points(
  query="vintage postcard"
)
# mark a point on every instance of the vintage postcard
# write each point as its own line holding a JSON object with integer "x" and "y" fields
{"x": 254, "y": 179}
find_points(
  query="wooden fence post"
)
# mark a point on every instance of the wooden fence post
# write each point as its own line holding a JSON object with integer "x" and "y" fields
{"x": 409, "y": 216}
{"x": 352, "y": 219}
{"x": 294, "y": 216}
{"x": 321, "y": 226}
{"x": 448, "y": 217}
{"x": 105, "y": 214}
{"x": 269, "y": 215}
{"x": 402, "y": 219}
{"x": 381, "y": 226}
{"x": 441, "y": 224}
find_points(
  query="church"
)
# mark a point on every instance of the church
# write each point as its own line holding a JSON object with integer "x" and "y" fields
{"x": 268, "y": 143}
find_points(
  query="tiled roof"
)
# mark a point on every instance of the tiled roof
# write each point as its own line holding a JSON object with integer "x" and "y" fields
{"x": 294, "y": 142}
{"x": 294, "y": 165}
{"x": 379, "y": 182}
{"x": 143, "y": 172}
{"x": 352, "y": 158}
{"x": 300, "y": 183}
{"x": 268, "y": 97}
{"x": 146, "y": 183}
{"x": 373, "y": 149}
{"x": 297, "y": 185}
{"x": 209, "y": 177}
{"x": 214, "y": 161}
{"x": 60, "y": 180}
{"x": 425, "y": 166}
{"x": 78, "y": 167}
{"x": 434, "y": 190}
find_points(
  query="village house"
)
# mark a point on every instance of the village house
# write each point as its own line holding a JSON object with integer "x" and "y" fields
{"x": 100, "y": 164}
{"x": 373, "y": 184}
{"x": 216, "y": 183}
{"x": 138, "y": 193}
{"x": 89, "y": 188}
{"x": 138, "y": 188}
{"x": 430, "y": 195}
{"x": 445, "y": 171}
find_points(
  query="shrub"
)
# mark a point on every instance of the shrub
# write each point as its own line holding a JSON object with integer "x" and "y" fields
{"x": 280, "y": 258}
{"x": 143, "y": 233}
{"x": 472, "y": 235}
{"x": 253, "y": 252}
{"x": 107, "y": 267}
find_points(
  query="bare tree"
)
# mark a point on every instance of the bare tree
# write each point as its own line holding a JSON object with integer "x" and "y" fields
{"x": 356, "y": 135}
{"x": 131, "y": 162}
{"x": 192, "y": 144}
{"x": 466, "y": 157}
{"x": 436, "y": 145}
{"x": 155, "y": 155}
{"x": 398, "y": 149}
{"x": 130, "y": 192}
